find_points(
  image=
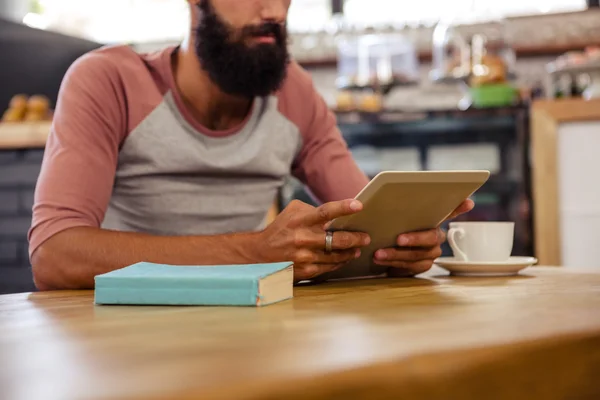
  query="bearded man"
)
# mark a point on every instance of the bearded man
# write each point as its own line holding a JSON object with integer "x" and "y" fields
{"x": 176, "y": 157}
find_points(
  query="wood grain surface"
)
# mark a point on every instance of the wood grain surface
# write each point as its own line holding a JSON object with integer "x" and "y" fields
{"x": 544, "y": 171}
{"x": 536, "y": 335}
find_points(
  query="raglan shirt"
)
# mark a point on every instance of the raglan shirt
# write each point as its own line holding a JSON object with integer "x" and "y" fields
{"x": 125, "y": 153}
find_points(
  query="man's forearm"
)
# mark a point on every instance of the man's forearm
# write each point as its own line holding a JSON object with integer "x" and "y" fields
{"x": 72, "y": 258}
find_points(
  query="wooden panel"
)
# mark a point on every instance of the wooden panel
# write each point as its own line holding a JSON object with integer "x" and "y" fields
{"x": 431, "y": 337}
{"x": 569, "y": 110}
{"x": 545, "y": 188}
{"x": 23, "y": 135}
{"x": 546, "y": 118}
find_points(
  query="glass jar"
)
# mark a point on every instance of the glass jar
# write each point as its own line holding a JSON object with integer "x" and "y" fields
{"x": 479, "y": 52}
{"x": 451, "y": 54}
{"x": 376, "y": 61}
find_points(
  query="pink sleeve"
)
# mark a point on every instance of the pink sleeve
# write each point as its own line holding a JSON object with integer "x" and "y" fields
{"x": 324, "y": 163}
{"x": 80, "y": 159}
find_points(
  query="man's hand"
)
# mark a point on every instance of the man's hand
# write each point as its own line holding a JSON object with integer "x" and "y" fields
{"x": 416, "y": 251}
{"x": 298, "y": 235}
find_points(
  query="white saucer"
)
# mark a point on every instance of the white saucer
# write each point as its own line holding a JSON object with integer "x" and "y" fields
{"x": 464, "y": 268}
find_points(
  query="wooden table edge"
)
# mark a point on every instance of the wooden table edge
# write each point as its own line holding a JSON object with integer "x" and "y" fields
{"x": 472, "y": 373}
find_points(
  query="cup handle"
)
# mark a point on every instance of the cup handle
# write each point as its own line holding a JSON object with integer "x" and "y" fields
{"x": 452, "y": 235}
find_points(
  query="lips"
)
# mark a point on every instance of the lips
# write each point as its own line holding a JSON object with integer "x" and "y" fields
{"x": 270, "y": 33}
{"x": 265, "y": 39}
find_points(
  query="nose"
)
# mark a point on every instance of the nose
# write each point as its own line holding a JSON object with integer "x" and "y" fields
{"x": 274, "y": 10}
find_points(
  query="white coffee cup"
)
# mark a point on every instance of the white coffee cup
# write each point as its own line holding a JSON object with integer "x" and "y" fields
{"x": 481, "y": 241}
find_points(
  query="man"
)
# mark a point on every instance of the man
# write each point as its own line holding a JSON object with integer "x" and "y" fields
{"x": 176, "y": 157}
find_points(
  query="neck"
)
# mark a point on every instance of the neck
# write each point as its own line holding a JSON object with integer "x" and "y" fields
{"x": 212, "y": 107}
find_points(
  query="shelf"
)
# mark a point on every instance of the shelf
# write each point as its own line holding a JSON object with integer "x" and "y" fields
{"x": 24, "y": 135}
{"x": 528, "y": 38}
{"x": 384, "y": 88}
{"x": 431, "y": 132}
{"x": 425, "y": 56}
{"x": 396, "y": 115}
{"x": 592, "y": 66}
{"x": 431, "y": 125}
{"x": 397, "y": 129}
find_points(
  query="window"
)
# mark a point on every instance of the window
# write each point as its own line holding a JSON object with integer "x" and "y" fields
{"x": 113, "y": 21}
{"x": 428, "y": 12}
{"x": 118, "y": 21}
{"x": 309, "y": 15}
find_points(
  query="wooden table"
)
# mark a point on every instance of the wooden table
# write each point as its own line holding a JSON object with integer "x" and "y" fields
{"x": 532, "y": 336}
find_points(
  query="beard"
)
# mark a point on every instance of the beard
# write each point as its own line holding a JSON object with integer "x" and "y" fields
{"x": 233, "y": 63}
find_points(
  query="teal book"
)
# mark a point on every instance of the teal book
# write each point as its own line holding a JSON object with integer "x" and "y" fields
{"x": 223, "y": 285}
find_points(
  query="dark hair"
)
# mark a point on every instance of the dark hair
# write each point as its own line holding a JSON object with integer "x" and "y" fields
{"x": 235, "y": 66}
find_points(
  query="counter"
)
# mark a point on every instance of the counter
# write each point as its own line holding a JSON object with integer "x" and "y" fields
{"x": 535, "y": 335}
{"x": 24, "y": 135}
{"x": 21, "y": 153}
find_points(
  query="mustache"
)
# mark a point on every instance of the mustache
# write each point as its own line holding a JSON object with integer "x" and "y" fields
{"x": 277, "y": 30}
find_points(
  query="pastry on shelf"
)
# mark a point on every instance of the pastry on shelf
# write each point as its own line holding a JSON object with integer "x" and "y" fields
{"x": 492, "y": 69}
{"x": 38, "y": 109}
{"x": 17, "y": 109}
{"x": 34, "y": 116}
{"x": 13, "y": 115}
{"x": 488, "y": 67}
{"x": 345, "y": 101}
{"x": 23, "y": 109}
{"x": 371, "y": 102}
{"x": 19, "y": 102}
{"x": 38, "y": 104}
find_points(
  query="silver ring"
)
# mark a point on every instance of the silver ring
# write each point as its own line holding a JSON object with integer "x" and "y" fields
{"x": 328, "y": 242}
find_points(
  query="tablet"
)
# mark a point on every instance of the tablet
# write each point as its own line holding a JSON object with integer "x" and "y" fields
{"x": 401, "y": 202}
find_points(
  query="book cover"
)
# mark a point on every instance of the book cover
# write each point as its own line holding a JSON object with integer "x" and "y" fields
{"x": 227, "y": 285}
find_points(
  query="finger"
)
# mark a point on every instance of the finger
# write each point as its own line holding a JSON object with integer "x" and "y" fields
{"x": 407, "y": 272}
{"x": 464, "y": 208}
{"x": 341, "y": 240}
{"x": 442, "y": 235}
{"x": 349, "y": 240}
{"x": 330, "y": 211}
{"x": 408, "y": 255}
{"x": 407, "y": 268}
{"x": 319, "y": 257}
{"x": 430, "y": 238}
{"x": 311, "y": 271}
{"x": 337, "y": 257}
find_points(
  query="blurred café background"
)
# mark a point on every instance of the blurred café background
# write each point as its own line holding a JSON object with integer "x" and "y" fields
{"x": 510, "y": 86}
